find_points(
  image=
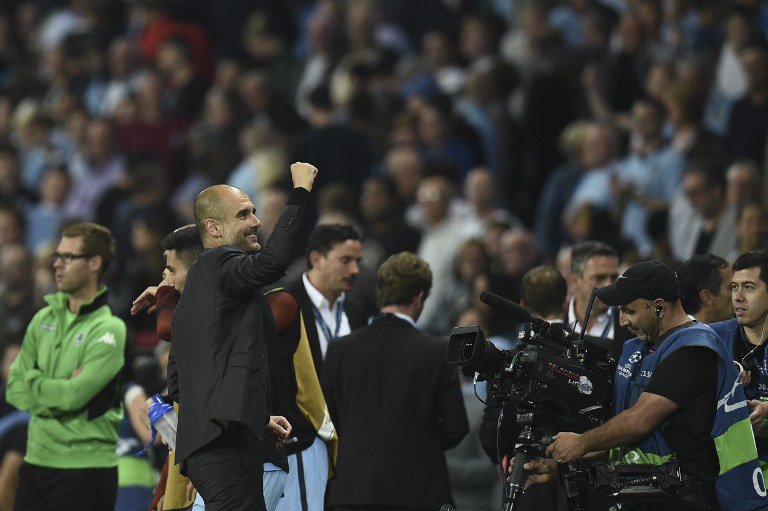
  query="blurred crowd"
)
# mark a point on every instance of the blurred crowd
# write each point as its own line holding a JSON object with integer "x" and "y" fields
{"x": 487, "y": 136}
{"x": 517, "y": 127}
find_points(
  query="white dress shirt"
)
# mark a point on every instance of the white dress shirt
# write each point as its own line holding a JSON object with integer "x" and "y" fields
{"x": 329, "y": 312}
{"x": 603, "y": 326}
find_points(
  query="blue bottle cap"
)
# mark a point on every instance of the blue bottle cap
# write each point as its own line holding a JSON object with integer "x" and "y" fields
{"x": 158, "y": 409}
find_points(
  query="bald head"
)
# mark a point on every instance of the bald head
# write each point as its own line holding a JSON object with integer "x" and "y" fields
{"x": 226, "y": 216}
{"x": 210, "y": 204}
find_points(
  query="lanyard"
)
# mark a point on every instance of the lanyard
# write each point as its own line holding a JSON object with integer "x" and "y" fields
{"x": 762, "y": 368}
{"x": 609, "y": 324}
{"x": 606, "y": 329}
{"x": 325, "y": 328}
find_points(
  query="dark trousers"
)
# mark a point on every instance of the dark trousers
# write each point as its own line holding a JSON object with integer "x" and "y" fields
{"x": 228, "y": 472}
{"x": 72, "y": 489}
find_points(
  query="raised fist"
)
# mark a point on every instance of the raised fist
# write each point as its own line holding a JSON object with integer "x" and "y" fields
{"x": 303, "y": 175}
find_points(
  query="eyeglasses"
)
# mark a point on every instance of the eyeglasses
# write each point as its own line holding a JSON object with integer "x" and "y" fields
{"x": 68, "y": 258}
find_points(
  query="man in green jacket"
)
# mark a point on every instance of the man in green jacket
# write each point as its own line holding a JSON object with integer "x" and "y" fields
{"x": 66, "y": 377}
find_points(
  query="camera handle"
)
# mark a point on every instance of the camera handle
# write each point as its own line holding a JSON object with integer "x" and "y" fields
{"x": 515, "y": 485}
{"x": 526, "y": 449}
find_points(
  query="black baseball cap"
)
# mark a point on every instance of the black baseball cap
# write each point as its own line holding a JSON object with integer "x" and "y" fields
{"x": 648, "y": 280}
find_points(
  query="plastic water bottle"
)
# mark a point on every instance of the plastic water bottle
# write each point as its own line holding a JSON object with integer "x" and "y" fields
{"x": 163, "y": 419}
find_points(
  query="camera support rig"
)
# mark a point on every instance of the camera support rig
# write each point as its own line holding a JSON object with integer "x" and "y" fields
{"x": 623, "y": 482}
{"x": 555, "y": 381}
{"x": 526, "y": 449}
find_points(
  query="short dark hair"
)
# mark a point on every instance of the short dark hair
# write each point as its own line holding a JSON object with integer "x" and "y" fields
{"x": 186, "y": 242}
{"x": 583, "y": 252}
{"x": 697, "y": 273}
{"x": 326, "y": 236}
{"x": 401, "y": 278}
{"x": 97, "y": 240}
{"x": 544, "y": 291}
{"x": 753, "y": 259}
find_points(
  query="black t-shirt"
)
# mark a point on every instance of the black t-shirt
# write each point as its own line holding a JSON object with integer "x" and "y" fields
{"x": 688, "y": 377}
{"x": 742, "y": 348}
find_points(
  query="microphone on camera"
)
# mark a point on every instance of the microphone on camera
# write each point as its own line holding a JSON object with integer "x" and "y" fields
{"x": 523, "y": 315}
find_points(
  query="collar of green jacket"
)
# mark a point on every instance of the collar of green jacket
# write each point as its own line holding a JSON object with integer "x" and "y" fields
{"x": 59, "y": 300}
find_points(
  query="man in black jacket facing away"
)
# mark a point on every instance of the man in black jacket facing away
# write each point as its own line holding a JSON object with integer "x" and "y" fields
{"x": 394, "y": 401}
{"x": 220, "y": 328}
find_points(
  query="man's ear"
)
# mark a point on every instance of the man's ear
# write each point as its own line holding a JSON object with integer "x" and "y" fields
{"x": 314, "y": 257}
{"x": 705, "y": 296}
{"x": 94, "y": 263}
{"x": 573, "y": 280}
{"x": 212, "y": 227}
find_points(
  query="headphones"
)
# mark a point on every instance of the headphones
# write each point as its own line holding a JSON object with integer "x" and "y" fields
{"x": 658, "y": 310}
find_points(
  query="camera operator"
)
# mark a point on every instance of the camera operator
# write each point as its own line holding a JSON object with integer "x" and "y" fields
{"x": 676, "y": 393}
{"x": 745, "y": 337}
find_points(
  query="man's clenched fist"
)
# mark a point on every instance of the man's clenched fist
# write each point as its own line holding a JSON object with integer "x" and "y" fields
{"x": 303, "y": 175}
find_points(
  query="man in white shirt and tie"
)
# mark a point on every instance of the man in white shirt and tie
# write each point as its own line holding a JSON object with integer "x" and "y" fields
{"x": 594, "y": 264}
{"x": 310, "y": 311}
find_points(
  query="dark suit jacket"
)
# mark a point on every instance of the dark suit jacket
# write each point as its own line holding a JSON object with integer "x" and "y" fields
{"x": 396, "y": 405}
{"x": 220, "y": 327}
{"x": 282, "y": 363}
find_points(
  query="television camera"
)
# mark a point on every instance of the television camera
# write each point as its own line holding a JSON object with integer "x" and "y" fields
{"x": 557, "y": 382}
